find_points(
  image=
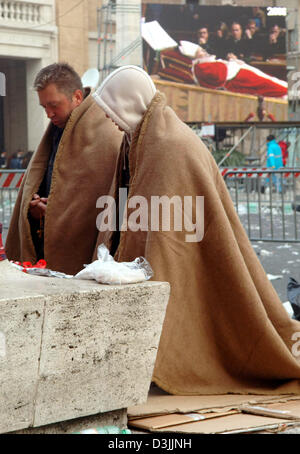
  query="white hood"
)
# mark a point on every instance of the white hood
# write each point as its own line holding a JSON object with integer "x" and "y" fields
{"x": 125, "y": 96}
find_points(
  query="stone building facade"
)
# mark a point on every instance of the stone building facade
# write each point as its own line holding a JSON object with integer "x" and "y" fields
{"x": 35, "y": 33}
{"x": 28, "y": 41}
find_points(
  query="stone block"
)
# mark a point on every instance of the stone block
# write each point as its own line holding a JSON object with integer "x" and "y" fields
{"x": 74, "y": 348}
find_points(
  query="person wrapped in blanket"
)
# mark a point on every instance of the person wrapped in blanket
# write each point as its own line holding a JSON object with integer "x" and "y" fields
{"x": 233, "y": 74}
{"x": 225, "y": 328}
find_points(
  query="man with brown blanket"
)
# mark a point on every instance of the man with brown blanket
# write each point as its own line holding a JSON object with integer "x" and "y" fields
{"x": 55, "y": 213}
{"x": 225, "y": 330}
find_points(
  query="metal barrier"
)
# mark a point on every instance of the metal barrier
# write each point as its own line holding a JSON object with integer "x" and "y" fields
{"x": 267, "y": 201}
{"x": 10, "y": 182}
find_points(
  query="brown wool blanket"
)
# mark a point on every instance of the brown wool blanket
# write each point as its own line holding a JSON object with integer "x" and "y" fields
{"x": 83, "y": 171}
{"x": 225, "y": 330}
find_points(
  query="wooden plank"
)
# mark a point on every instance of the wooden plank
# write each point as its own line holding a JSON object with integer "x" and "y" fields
{"x": 196, "y": 104}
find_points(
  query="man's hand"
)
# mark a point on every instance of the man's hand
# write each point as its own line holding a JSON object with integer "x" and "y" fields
{"x": 248, "y": 33}
{"x": 37, "y": 207}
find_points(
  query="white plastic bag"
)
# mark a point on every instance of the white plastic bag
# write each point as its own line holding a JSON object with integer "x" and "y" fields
{"x": 106, "y": 270}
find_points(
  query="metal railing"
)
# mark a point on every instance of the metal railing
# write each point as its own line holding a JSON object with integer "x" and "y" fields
{"x": 251, "y": 129}
{"x": 267, "y": 202}
{"x": 10, "y": 181}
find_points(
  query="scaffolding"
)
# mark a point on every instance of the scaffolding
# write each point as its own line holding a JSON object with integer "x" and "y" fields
{"x": 250, "y": 142}
{"x": 108, "y": 59}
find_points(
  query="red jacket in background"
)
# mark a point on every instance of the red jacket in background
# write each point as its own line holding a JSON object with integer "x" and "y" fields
{"x": 284, "y": 151}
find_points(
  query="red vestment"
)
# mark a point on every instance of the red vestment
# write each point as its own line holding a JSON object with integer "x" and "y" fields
{"x": 246, "y": 80}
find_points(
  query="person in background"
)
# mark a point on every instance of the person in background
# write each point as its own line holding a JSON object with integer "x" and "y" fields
{"x": 3, "y": 160}
{"x": 260, "y": 17}
{"x": 237, "y": 45}
{"x": 204, "y": 39}
{"x": 255, "y": 40}
{"x": 15, "y": 161}
{"x": 274, "y": 160}
{"x": 234, "y": 75}
{"x": 285, "y": 151}
{"x": 276, "y": 42}
{"x": 220, "y": 40}
{"x": 26, "y": 159}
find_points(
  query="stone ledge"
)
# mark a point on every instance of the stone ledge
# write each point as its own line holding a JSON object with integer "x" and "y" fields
{"x": 74, "y": 348}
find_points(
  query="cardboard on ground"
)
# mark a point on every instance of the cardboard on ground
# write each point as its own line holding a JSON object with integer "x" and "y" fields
{"x": 239, "y": 422}
{"x": 161, "y": 422}
{"x": 160, "y": 404}
{"x": 215, "y": 413}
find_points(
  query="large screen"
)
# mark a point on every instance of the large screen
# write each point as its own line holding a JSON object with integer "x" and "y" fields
{"x": 218, "y": 63}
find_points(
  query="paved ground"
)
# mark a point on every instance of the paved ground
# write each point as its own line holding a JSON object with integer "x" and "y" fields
{"x": 280, "y": 261}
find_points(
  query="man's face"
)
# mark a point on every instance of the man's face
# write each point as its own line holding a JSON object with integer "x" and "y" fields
{"x": 203, "y": 34}
{"x": 275, "y": 30}
{"x": 57, "y": 105}
{"x": 201, "y": 53}
{"x": 252, "y": 28}
{"x": 236, "y": 31}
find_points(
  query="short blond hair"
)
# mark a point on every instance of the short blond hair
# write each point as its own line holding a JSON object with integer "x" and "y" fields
{"x": 62, "y": 75}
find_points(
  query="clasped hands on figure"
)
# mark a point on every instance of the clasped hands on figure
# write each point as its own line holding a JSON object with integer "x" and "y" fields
{"x": 37, "y": 207}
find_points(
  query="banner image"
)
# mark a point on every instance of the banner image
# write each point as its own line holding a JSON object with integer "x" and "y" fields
{"x": 218, "y": 63}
